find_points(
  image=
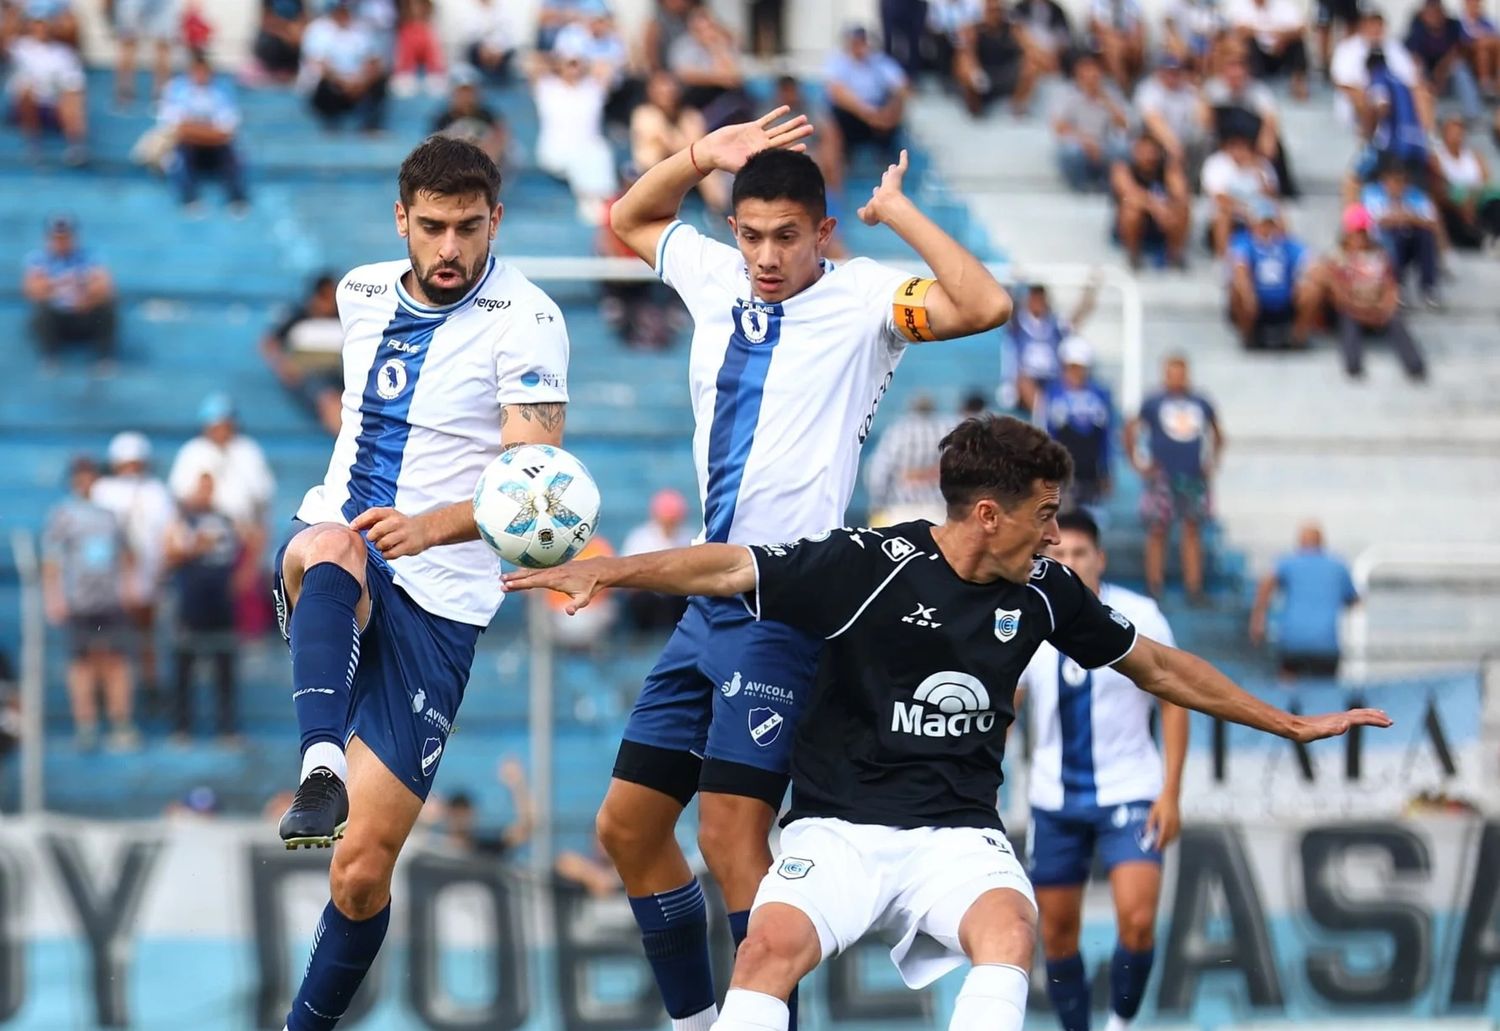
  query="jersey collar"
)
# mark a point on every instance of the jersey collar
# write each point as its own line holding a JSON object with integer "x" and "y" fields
{"x": 427, "y": 311}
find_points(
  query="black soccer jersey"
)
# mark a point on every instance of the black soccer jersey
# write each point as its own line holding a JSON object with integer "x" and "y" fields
{"x": 907, "y": 725}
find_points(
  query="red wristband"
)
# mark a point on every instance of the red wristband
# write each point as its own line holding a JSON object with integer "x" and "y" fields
{"x": 695, "y": 160}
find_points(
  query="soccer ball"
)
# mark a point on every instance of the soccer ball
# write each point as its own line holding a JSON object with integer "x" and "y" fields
{"x": 536, "y": 506}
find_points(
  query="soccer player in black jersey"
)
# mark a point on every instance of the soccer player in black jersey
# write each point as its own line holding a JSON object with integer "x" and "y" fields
{"x": 896, "y": 768}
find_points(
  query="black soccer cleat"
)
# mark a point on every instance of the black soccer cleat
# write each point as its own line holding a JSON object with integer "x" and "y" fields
{"x": 319, "y": 812}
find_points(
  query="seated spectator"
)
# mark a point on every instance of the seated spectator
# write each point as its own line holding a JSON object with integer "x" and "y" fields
{"x": 72, "y": 297}
{"x": 867, "y": 90}
{"x": 1406, "y": 225}
{"x": 1077, "y": 412}
{"x": 1392, "y": 118}
{"x": 1366, "y": 298}
{"x": 343, "y": 68}
{"x": 135, "y": 20}
{"x": 902, "y": 24}
{"x": 1442, "y": 52}
{"x": 418, "y": 49}
{"x": 992, "y": 60}
{"x": 459, "y": 830}
{"x": 1035, "y": 333}
{"x": 1048, "y": 34}
{"x": 570, "y": 145}
{"x": 1089, "y": 122}
{"x": 669, "y": 24}
{"x": 1468, "y": 199}
{"x": 662, "y": 125}
{"x": 902, "y": 474}
{"x": 487, "y": 38}
{"x": 646, "y": 611}
{"x": 553, "y": 16}
{"x": 1349, "y": 69}
{"x": 203, "y": 118}
{"x": 1152, "y": 204}
{"x": 203, "y": 549}
{"x": 599, "y": 43}
{"x": 46, "y": 89}
{"x": 1345, "y": 14}
{"x": 1170, "y": 107}
{"x": 705, "y": 61}
{"x": 467, "y": 118}
{"x": 1117, "y": 32}
{"x": 85, "y": 571}
{"x": 1235, "y": 104}
{"x": 305, "y": 350}
{"x": 243, "y": 484}
{"x": 945, "y": 21}
{"x": 1234, "y": 177}
{"x": 1273, "y": 32}
{"x": 1273, "y": 301}
{"x": 1315, "y": 588}
{"x": 1191, "y": 32}
{"x": 278, "y": 40}
{"x": 1483, "y": 39}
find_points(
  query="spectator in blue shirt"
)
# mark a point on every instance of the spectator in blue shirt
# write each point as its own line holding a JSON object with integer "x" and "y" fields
{"x": 1438, "y": 43}
{"x": 1315, "y": 587}
{"x": 1077, "y": 412}
{"x": 1271, "y": 299}
{"x": 868, "y": 91}
{"x": 72, "y": 297}
{"x": 203, "y": 118}
{"x": 343, "y": 68}
{"x": 1176, "y": 457}
{"x": 1396, "y": 128}
{"x": 1036, "y": 331}
{"x": 1406, "y": 225}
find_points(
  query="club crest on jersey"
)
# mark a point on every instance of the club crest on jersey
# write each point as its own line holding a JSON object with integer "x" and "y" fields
{"x": 765, "y": 726}
{"x": 1007, "y": 622}
{"x": 794, "y": 869}
{"x": 1073, "y": 674}
{"x": 755, "y": 324}
{"x": 391, "y": 379}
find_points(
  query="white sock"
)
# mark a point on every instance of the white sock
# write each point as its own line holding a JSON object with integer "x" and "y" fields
{"x": 1117, "y": 1023}
{"x": 752, "y": 1011}
{"x": 703, "y": 1020}
{"x": 325, "y": 753}
{"x": 993, "y": 998}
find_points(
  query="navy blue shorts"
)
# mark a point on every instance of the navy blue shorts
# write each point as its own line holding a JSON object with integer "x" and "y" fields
{"x": 413, "y": 668}
{"x": 1061, "y": 844}
{"x": 727, "y": 690}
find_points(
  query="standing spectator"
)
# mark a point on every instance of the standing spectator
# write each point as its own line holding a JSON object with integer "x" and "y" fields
{"x": 1315, "y": 588}
{"x": 1350, "y": 73}
{"x": 1442, "y": 50}
{"x": 553, "y": 16}
{"x": 1077, "y": 411}
{"x": 203, "y": 548}
{"x": 1170, "y": 107}
{"x": 902, "y": 475}
{"x": 902, "y": 24}
{"x": 46, "y": 88}
{"x": 570, "y": 145}
{"x": 1181, "y": 448}
{"x": 487, "y": 38}
{"x": 868, "y": 91}
{"x": 1483, "y": 38}
{"x": 1346, "y": 15}
{"x": 460, "y": 832}
{"x": 599, "y": 43}
{"x": 1117, "y": 30}
{"x": 1406, "y": 225}
{"x": 768, "y": 28}
{"x": 1192, "y": 31}
{"x": 278, "y": 41}
{"x": 1469, "y": 201}
{"x": 647, "y": 611}
{"x": 1049, "y": 35}
{"x": 705, "y": 61}
{"x": 203, "y": 118}
{"x": 1273, "y": 301}
{"x": 1234, "y": 178}
{"x": 418, "y": 49}
{"x": 468, "y": 118}
{"x": 1391, "y": 119}
{"x": 1036, "y": 331}
{"x": 1089, "y": 122}
{"x": 86, "y": 567}
{"x": 1273, "y": 33}
{"x": 993, "y": 60}
{"x": 136, "y": 20}
{"x": 1366, "y": 298}
{"x": 305, "y": 351}
{"x": 1152, "y": 204}
{"x": 343, "y": 67}
{"x": 662, "y": 31}
{"x": 143, "y": 507}
{"x": 663, "y": 125}
{"x": 72, "y": 297}
{"x": 1237, "y": 105}
{"x": 59, "y": 16}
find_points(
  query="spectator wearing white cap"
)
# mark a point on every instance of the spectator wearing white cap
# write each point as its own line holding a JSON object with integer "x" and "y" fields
{"x": 145, "y": 510}
{"x": 647, "y": 611}
{"x": 1078, "y": 412}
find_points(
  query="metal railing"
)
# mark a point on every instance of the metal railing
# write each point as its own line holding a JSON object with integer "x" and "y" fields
{"x": 33, "y": 662}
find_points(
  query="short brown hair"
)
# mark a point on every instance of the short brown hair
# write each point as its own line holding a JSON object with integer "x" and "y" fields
{"x": 997, "y": 457}
{"x": 449, "y": 167}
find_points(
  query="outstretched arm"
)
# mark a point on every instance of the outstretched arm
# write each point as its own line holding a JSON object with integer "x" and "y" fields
{"x": 1184, "y": 679}
{"x": 718, "y": 570}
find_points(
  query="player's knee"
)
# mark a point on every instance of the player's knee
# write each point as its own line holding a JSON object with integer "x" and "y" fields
{"x": 624, "y": 839}
{"x": 1137, "y": 931}
{"x": 727, "y": 845}
{"x": 328, "y": 542}
{"x": 776, "y": 956}
{"x": 1060, "y": 933}
{"x": 360, "y": 881}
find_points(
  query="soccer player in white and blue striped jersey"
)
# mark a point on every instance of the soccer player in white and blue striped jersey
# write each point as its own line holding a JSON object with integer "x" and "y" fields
{"x": 1099, "y": 785}
{"x": 791, "y": 356}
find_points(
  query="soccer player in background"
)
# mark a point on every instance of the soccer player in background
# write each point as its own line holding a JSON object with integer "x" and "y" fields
{"x": 791, "y": 355}
{"x": 898, "y": 761}
{"x": 450, "y": 355}
{"x": 1097, "y": 784}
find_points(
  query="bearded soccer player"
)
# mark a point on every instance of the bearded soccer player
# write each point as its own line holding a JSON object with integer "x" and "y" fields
{"x": 897, "y": 763}
{"x": 383, "y": 587}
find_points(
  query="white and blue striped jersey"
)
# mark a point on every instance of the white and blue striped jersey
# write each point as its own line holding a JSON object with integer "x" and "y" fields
{"x": 784, "y": 394}
{"x": 423, "y": 388}
{"x": 1090, "y": 730}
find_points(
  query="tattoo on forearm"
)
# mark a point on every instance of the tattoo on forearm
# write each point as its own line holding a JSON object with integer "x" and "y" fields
{"x": 548, "y": 414}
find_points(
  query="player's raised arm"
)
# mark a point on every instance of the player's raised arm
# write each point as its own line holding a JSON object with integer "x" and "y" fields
{"x": 966, "y": 299}
{"x": 647, "y": 208}
{"x": 1186, "y": 680}
{"x": 718, "y": 570}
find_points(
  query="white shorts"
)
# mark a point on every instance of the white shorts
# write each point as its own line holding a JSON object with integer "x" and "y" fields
{"x": 146, "y": 19}
{"x": 913, "y": 886}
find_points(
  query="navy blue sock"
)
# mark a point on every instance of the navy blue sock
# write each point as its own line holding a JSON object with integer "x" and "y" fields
{"x": 1128, "y": 973}
{"x": 739, "y": 926}
{"x": 1068, "y": 989}
{"x": 342, "y": 952}
{"x": 325, "y": 650}
{"x": 674, "y": 929}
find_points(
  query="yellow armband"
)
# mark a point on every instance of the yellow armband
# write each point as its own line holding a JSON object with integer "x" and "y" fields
{"x": 909, "y": 309}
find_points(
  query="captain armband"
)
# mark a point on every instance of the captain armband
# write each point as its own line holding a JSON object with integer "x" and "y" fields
{"x": 909, "y": 309}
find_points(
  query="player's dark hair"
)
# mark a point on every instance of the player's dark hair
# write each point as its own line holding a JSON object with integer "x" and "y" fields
{"x": 997, "y": 457}
{"x": 782, "y": 175}
{"x": 1080, "y": 521}
{"x": 449, "y": 167}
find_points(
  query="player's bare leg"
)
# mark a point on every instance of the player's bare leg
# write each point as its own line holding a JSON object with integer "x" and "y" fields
{"x": 1136, "y": 888}
{"x": 781, "y": 948}
{"x": 1156, "y": 560}
{"x": 382, "y": 812}
{"x": 998, "y": 934}
{"x": 1190, "y": 545}
{"x": 1067, "y": 981}
{"x": 636, "y": 826}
